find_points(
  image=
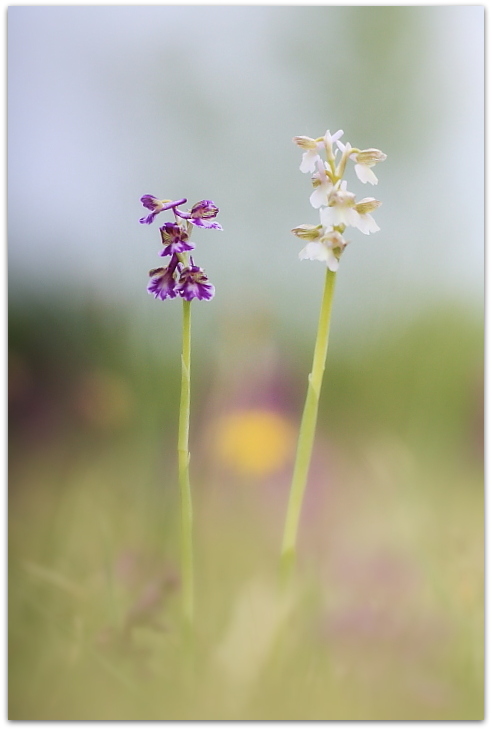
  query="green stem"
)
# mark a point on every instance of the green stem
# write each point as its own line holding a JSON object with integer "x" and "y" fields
{"x": 307, "y": 431}
{"x": 184, "y": 473}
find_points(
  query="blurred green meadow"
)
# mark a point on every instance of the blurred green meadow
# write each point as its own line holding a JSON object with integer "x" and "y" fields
{"x": 384, "y": 620}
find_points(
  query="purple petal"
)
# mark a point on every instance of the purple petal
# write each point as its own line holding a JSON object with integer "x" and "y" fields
{"x": 173, "y": 264}
{"x": 149, "y": 218}
{"x": 149, "y": 201}
{"x": 177, "y": 247}
{"x": 194, "y": 290}
{"x": 194, "y": 284}
{"x": 164, "y": 286}
{"x": 157, "y": 206}
{"x": 171, "y": 231}
{"x": 207, "y": 291}
{"x": 204, "y": 209}
{"x": 206, "y": 223}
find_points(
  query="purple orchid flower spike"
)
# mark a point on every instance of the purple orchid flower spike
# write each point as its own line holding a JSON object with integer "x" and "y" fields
{"x": 174, "y": 239}
{"x": 163, "y": 281}
{"x": 201, "y": 214}
{"x": 194, "y": 284}
{"x": 156, "y": 206}
{"x": 181, "y": 278}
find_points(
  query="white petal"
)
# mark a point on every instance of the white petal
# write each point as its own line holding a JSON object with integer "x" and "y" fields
{"x": 327, "y": 216}
{"x": 309, "y": 161}
{"x": 346, "y": 216}
{"x": 367, "y": 224}
{"x": 321, "y": 168}
{"x": 315, "y": 251}
{"x": 365, "y": 174}
{"x": 319, "y": 196}
{"x": 318, "y": 251}
{"x": 332, "y": 262}
{"x": 352, "y": 218}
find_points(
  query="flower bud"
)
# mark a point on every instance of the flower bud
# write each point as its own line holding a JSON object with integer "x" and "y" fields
{"x": 369, "y": 157}
{"x": 306, "y": 143}
{"x": 308, "y": 232}
{"x": 367, "y": 205}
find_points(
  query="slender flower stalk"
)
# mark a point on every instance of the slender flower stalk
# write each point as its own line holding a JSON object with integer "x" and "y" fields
{"x": 307, "y": 430}
{"x": 184, "y": 470}
{"x": 337, "y": 210}
{"x": 186, "y": 279}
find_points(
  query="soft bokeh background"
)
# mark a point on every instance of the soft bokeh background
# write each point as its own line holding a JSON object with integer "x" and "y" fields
{"x": 109, "y": 103}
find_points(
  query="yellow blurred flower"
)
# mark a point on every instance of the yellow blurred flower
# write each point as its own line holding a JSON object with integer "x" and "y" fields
{"x": 254, "y": 441}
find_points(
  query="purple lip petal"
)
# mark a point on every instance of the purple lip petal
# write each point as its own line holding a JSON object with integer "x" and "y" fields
{"x": 163, "y": 283}
{"x": 206, "y": 223}
{"x": 148, "y": 219}
{"x": 193, "y": 284}
{"x": 177, "y": 247}
{"x": 207, "y": 292}
{"x": 163, "y": 287}
{"x": 197, "y": 291}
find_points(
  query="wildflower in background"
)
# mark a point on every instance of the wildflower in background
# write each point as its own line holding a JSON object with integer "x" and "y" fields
{"x": 338, "y": 209}
{"x": 255, "y": 442}
{"x": 189, "y": 281}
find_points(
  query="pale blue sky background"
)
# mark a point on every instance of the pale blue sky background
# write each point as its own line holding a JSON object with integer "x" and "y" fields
{"x": 109, "y": 103}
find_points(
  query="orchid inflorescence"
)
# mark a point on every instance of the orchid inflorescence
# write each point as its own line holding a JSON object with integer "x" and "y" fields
{"x": 180, "y": 276}
{"x": 337, "y": 206}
